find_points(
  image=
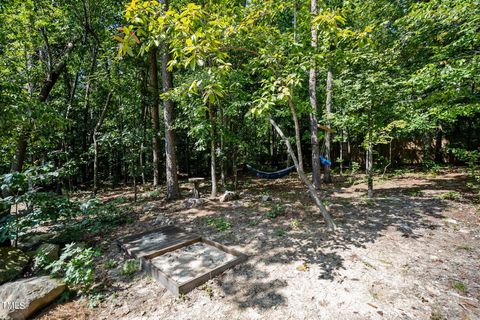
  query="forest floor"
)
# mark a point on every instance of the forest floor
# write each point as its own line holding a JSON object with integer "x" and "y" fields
{"x": 413, "y": 252}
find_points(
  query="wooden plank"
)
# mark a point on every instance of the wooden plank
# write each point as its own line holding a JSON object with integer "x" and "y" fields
{"x": 167, "y": 282}
{"x": 173, "y": 248}
{"x": 150, "y": 242}
{"x": 192, "y": 284}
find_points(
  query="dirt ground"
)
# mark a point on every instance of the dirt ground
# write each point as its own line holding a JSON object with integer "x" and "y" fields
{"x": 413, "y": 252}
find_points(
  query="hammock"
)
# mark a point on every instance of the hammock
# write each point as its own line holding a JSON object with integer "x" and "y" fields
{"x": 325, "y": 161}
{"x": 271, "y": 175}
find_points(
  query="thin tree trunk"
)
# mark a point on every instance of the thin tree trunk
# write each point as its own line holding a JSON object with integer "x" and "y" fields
{"x": 438, "y": 142}
{"x": 312, "y": 90}
{"x": 95, "y": 143}
{"x": 305, "y": 180}
{"x": 298, "y": 139}
{"x": 369, "y": 160}
{"x": 213, "y": 157}
{"x": 341, "y": 155}
{"x": 328, "y": 109}
{"x": 155, "y": 116}
{"x": 223, "y": 173}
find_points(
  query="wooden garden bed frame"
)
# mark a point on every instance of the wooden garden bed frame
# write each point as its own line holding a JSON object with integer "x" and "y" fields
{"x": 179, "y": 239}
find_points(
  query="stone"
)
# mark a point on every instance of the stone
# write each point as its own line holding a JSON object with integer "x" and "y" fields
{"x": 229, "y": 196}
{"x": 193, "y": 203}
{"x": 50, "y": 250}
{"x": 13, "y": 261}
{"x": 266, "y": 198}
{"x": 163, "y": 221}
{"x": 22, "y": 298}
{"x": 32, "y": 242}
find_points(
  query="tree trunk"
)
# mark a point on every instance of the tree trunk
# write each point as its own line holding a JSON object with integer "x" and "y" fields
{"x": 223, "y": 168}
{"x": 312, "y": 90}
{"x": 155, "y": 116}
{"x": 328, "y": 109}
{"x": 438, "y": 143}
{"x": 369, "y": 159}
{"x": 211, "y": 113}
{"x": 304, "y": 179}
{"x": 173, "y": 192}
{"x": 95, "y": 143}
{"x": 298, "y": 137}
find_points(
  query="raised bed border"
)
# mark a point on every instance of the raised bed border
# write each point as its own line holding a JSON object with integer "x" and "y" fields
{"x": 166, "y": 281}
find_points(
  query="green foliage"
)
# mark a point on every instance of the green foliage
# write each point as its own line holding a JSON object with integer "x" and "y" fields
{"x": 76, "y": 267}
{"x": 130, "y": 267}
{"x": 459, "y": 286}
{"x": 276, "y": 210}
{"x": 220, "y": 223}
{"x": 111, "y": 264}
{"x": 451, "y": 195}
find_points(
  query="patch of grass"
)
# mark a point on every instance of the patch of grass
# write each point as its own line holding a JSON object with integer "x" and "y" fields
{"x": 130, "y": 267}
{"x": 253, "y": 222}
{"x": 415, "y": 192}
{"x": 451, "y": 195}
{"x": 220, "y": 223}
{"x": 276, "y": 210}
{"x": 280, "y": 232}
{"x": 459, "y": 286}
{"x": 110, "y": 264}
{"x": 154, "y": 194}
{"x": 208, "y": 290}
{"x": 295, "y": 224}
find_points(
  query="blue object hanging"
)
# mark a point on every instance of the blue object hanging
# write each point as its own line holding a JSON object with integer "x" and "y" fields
{"x": 271, "y": 175}
{"x": 324, "y": 161}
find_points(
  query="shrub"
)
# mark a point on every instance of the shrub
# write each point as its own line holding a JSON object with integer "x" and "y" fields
{"x": 276, "y": 210}
{"x": 76, "y": 267}
{"x": 219, "y": 223}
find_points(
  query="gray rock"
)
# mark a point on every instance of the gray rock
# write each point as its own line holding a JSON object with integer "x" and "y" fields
{"x": 22, "y": 298}
{"x": 193, "y": 203}
{"x": 50, "y": 250}
{"x": 162, "y": 220}
{"x": 13, "y": 261}
{"x": 229, "y": 196}
{"x": 266, "y": 198}
{"x": 32, "y": 242}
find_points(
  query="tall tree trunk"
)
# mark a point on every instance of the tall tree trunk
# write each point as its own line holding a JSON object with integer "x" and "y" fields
{"x": 223, "y": 168}
{"x": 95, "y": 143}
{"x": 312, "y": 90}
{"x": 173, "y": 192}
{"x": 328, "y": 109}
{"x": 438, "y": 142}
{"x": 213, "y": 145}
{"x": 313, "y": 192}
{"x": 155, "y": 116}
{"x": 298, "y": 137}
{"x": 369, "y": 159}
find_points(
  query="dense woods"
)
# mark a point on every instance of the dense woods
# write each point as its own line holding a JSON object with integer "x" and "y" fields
{"x": 144, "y": 94}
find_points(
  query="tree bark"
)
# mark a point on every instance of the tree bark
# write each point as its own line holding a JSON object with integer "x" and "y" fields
{"x": 213, "y": 143}
{"x": 328, "y": 109}
{"x": 312, "y": 90}
{"x": 369, "y": 159}
{"x": 155, "y": 116}
{"x": 223, "y": 168}
{"x": 95, "y": 142}
{"x": 438, "y": 142}
{"x": 298, "y": 137}
{"x": 313, "y": 192}
{"x": 173, "y": 191}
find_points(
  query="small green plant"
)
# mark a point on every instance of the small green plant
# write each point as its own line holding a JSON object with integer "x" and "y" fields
{"x": 76, "y": 267}
{"x": 295, "y": 224}
{"x": 276, "y": 210}
{"x": 208, "y": 290}
{"x": 459, "y": 286}
{"x": 431, "y": 167}
{"x": 253, "y": 222}
{"x": 280, "y": 232}
{"x": 451, "y": 195}
{"x": 95, "y": 299}
{"x": 110, "y": 264}
{"x": 220, "y": 223}
{"x": 154, "y": 194}
{"x": 130, "y": 267}
{"x": 415, "y": 192}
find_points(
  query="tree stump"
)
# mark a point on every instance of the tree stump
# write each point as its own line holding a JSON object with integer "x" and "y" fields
{"x": 196, "y": 183}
